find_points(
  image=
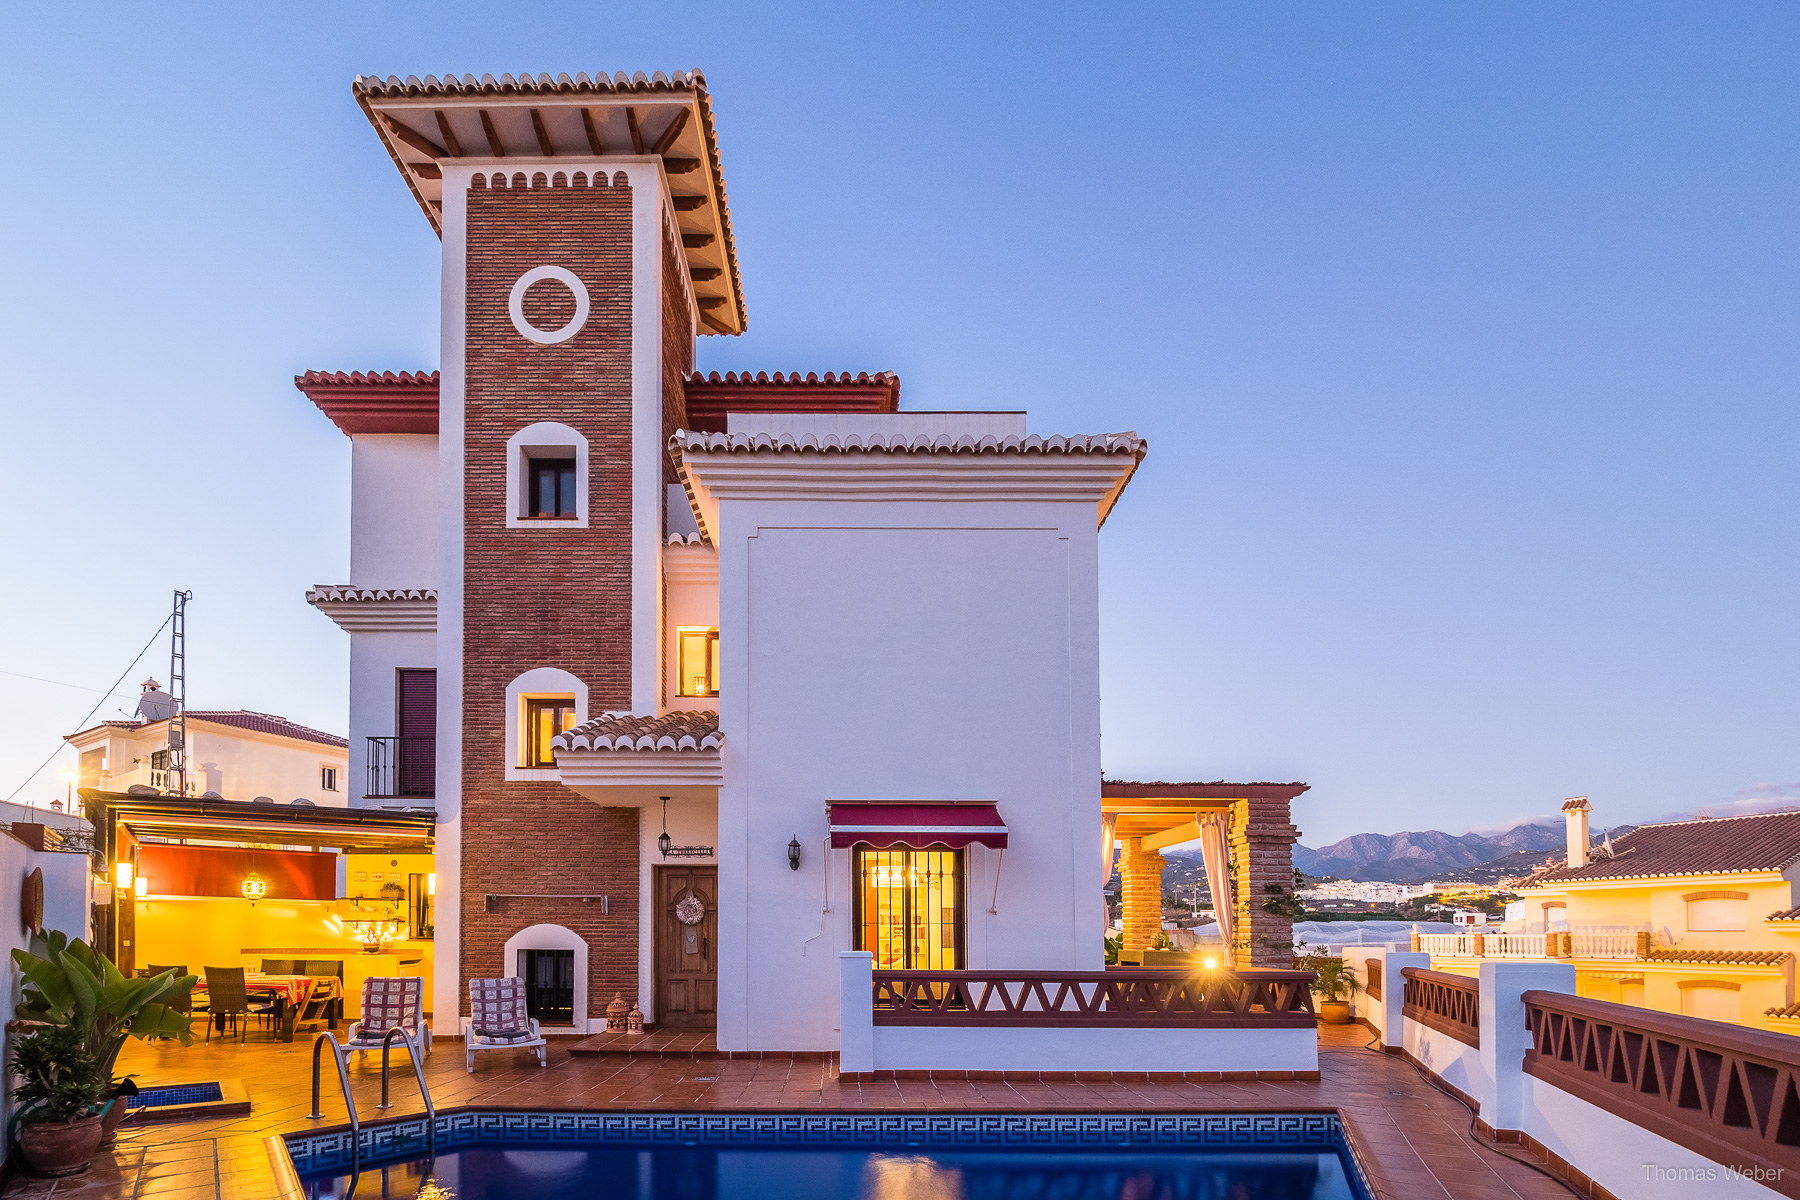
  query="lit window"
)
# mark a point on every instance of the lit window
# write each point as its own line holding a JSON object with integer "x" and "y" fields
{"x": 328, "y": 779}
{"x": 698, "y": 660}
{"x": 550, "y": 489}
{"x": 909, "y": 908}
{"x": 544, "y": 719}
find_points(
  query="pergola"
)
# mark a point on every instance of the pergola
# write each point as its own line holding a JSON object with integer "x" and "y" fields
{"x": 1254, "y": 846}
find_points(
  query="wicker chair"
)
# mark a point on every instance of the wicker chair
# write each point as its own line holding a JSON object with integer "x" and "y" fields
{"x": 498, "y": 1020}
{"x": 226, "y": 997}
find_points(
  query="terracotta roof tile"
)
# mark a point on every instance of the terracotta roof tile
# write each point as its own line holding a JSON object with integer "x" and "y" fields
{"x": 710, "y": 398}
{"x": 375, "y": 401}
{"x": 696, "y": 730}
{"x": 1743, "y": 958}
{"x": 345, "y": 593}
{"x": 1786, "y": 914}
{"x": 1724, "y": 845}
{"x": 763, "y": 443}
{"x": 1790, "y": 1013}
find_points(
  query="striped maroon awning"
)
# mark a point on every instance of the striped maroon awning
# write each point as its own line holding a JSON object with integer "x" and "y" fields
{"x": 916, "y": 823}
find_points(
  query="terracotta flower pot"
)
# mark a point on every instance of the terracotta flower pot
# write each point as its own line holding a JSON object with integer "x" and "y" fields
{"x": 115, "y": 1112}
{"x": 54, "y": 1148}
{"x": 1334, "y": 1012}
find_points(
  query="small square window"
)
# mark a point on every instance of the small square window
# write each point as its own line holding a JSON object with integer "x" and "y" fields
{"x": 328, "y": 779}
{"x": 697, "y": 660}
{"x": 550, "y": 487}
{"x": 544, "y": 719}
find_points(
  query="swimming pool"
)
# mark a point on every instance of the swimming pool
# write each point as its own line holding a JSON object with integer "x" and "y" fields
{"x": 501, "y": 1155}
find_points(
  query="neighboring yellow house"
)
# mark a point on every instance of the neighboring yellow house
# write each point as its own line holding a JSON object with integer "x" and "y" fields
{"x": 1692, "y": 917}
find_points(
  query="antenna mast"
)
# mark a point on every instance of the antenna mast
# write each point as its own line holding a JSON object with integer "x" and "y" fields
{"x": 177, "y": 778}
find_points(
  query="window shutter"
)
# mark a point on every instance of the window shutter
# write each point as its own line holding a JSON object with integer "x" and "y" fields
{"x": 418, "y": 703}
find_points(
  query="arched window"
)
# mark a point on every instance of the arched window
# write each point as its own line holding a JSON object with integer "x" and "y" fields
{"x": 540, "y": 704}
{"x": 546, "y": 478}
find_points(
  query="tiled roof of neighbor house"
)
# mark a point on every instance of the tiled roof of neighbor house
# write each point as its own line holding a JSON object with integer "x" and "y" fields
{"x": 1790, "y": 1013}
{"x": 369, "y": 89}
{"x": 375, "y": 402}
{"x": 1742, "y": 958}
{"x": 1720, "y": 846}
{"x": 763, "y": 443}
{"x": 696, "y": 730}
{"x": 1786, "y": 914}
{"x": 243, "y": 718}
{"x": 1216, "y": 789}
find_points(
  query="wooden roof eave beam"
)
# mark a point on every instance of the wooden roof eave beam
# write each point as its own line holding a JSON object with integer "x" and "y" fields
{"x": 1187, "y": 831}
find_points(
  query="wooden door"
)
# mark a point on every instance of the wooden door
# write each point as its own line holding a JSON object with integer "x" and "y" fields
{"x": 687, "y": 947}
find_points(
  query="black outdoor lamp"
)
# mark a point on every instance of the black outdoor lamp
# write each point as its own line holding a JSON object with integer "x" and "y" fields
{"x": 663, "y": 840}
{"x": 794, "y": 855}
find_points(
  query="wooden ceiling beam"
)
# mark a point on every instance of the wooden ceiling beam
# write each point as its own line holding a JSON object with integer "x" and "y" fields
{"x": 637, "y": 135}
{"x": 705, "y": 274}
{"x": 688, "y": 203}
{"x": 696, "y": 241}
{"x": 680, "y": 166}
{"x": 706, "y": 319}
{"x": 593, "y": 135}
{"x": 708, "y": 303}
{"x": 448, "y": 134}
{"x": 427, "y": 170}
{"x": 493, "y": 139}
{"x": 667, "y": 140}
{"x": 543, "y": 138}
{"x": 416, "y": 140}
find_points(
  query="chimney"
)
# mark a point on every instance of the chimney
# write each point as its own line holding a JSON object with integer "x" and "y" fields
{"x": 1575, "y": 813}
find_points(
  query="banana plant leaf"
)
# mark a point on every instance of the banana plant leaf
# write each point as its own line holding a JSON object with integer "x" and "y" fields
{"x": 67, "y": 983}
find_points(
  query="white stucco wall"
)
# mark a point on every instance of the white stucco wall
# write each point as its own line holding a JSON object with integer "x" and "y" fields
{"x": 239, "y": 764}
{"x": 393, "y": 510}
{"x": 375, "y": 657}
{"x": 693, "y": 821}
{"x": 902, "y": 650}
{"x": 1456, "y": 1064}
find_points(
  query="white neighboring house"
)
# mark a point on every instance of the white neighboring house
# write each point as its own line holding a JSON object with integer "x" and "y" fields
{"x": 232, "y": 754}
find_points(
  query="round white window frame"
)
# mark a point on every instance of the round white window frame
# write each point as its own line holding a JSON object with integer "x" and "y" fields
{"x": 515, "y": 305}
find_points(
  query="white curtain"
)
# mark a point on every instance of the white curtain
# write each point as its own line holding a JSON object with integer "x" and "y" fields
{"x": 1108, "y": 823}
{"x": 1214, "y": 850}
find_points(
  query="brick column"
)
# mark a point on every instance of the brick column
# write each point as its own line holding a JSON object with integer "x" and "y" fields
{"x": 1140, "y": 893}
{"x": 1262, "y": 855}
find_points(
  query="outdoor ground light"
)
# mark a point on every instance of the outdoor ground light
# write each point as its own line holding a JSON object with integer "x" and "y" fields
{"x": 794, "y": 855}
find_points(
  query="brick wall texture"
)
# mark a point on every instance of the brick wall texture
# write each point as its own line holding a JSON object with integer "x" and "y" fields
{"x": 1262, "y": 855}
{"x": 1140, "y": 893}
{"x": 546, "y": 597}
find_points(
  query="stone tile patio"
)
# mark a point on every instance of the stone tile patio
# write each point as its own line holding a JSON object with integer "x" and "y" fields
{"x": 1412, "y": 1140}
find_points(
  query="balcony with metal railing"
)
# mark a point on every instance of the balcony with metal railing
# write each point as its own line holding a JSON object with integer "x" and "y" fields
{"x": 402, "y": 768}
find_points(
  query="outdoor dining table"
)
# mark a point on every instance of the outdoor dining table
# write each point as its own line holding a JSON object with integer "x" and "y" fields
{"x": 288, "y": 992}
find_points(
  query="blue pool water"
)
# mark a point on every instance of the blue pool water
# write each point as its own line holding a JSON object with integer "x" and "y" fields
{"x": 511, "y": 1173}
{"x": 547, "y": 1155}
{"x": 185, "y": 1093}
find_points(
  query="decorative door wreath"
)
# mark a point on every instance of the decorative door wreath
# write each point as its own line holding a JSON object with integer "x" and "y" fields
{"x": 689, "y": 910}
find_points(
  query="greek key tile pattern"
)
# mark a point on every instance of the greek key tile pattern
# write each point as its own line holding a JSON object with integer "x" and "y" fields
{"x": 315, "y": 1154}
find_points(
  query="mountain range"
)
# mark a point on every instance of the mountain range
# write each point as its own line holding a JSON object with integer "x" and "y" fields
{"x": 1413, "y": 857}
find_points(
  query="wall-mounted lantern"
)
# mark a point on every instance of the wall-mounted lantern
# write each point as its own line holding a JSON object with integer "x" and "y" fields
{"x": 794, "y": 855}
{"x": 142, "y": 884}
{"x": 254, "y": 888}
{"x": 122, "y": 875}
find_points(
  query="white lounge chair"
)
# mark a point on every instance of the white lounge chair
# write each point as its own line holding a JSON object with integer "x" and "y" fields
{"x": 387, "y": 1001}
{"x": 498, "y": 1020}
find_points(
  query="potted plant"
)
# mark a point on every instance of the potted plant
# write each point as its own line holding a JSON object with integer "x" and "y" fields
{"x": 60, "y": 1084}
{"x": 1333, "y": 983}
{"x": 67, "y": 984}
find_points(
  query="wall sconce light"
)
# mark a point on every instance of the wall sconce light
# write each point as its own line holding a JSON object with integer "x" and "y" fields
{"x": 142, "y": 885}
{"x": 122, "y": 876}
{"x": 794, "y": 855}
{"x": 431, "y": 884}
{"x": 254, "y": 888}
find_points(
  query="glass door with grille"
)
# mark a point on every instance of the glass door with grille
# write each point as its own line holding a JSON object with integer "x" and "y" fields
{"x": 909, "y": 908}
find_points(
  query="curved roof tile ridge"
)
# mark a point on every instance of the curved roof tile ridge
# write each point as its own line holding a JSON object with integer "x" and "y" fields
{"x": 366, "y": 378}
{"x": 761, "y": 442}
{"x": 685, "y": 730}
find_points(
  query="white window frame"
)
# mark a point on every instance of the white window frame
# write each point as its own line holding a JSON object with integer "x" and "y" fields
{"x": 539, "y": 683}
{"x": 335, "y": 772}
{"x": 545, "y": 439}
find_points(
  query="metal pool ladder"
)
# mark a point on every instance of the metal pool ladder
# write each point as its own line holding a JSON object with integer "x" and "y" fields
{"x": 337, "y": 1058}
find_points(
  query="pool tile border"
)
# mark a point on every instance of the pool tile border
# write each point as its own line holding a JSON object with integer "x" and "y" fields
{"x": 313, "y": 1152}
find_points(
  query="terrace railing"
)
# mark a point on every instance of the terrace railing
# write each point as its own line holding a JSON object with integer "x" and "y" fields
{"x": 1447, "y": 1003}
{"x": 1117, "y": 997}
{"x": 402, "y": 768}
{"x": 1601, "y": 941}
{"x": 1730, "y": 1094}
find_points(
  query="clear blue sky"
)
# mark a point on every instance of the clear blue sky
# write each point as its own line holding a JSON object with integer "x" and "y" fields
{"x": 1464, "y": 336}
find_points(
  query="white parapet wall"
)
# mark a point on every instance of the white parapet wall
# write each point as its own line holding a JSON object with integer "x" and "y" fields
{"x": 866, "y": 1047}
{"x": 1607, "y": 1149}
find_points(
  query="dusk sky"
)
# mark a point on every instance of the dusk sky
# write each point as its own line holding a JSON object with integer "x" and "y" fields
{"x": 1466, "y": 339}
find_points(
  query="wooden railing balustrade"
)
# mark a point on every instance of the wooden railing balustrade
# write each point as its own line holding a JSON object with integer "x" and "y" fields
{"x": 1728, "y": 1093}
{"x": 1134, "y": 997}
{"x": 1373, "y": 987}
{"x": 1439, "y": 1000}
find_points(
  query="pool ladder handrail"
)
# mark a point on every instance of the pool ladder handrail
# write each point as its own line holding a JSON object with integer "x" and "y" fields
{"x": 413, "y": 1056}
{"x": 337, "y": 1056}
